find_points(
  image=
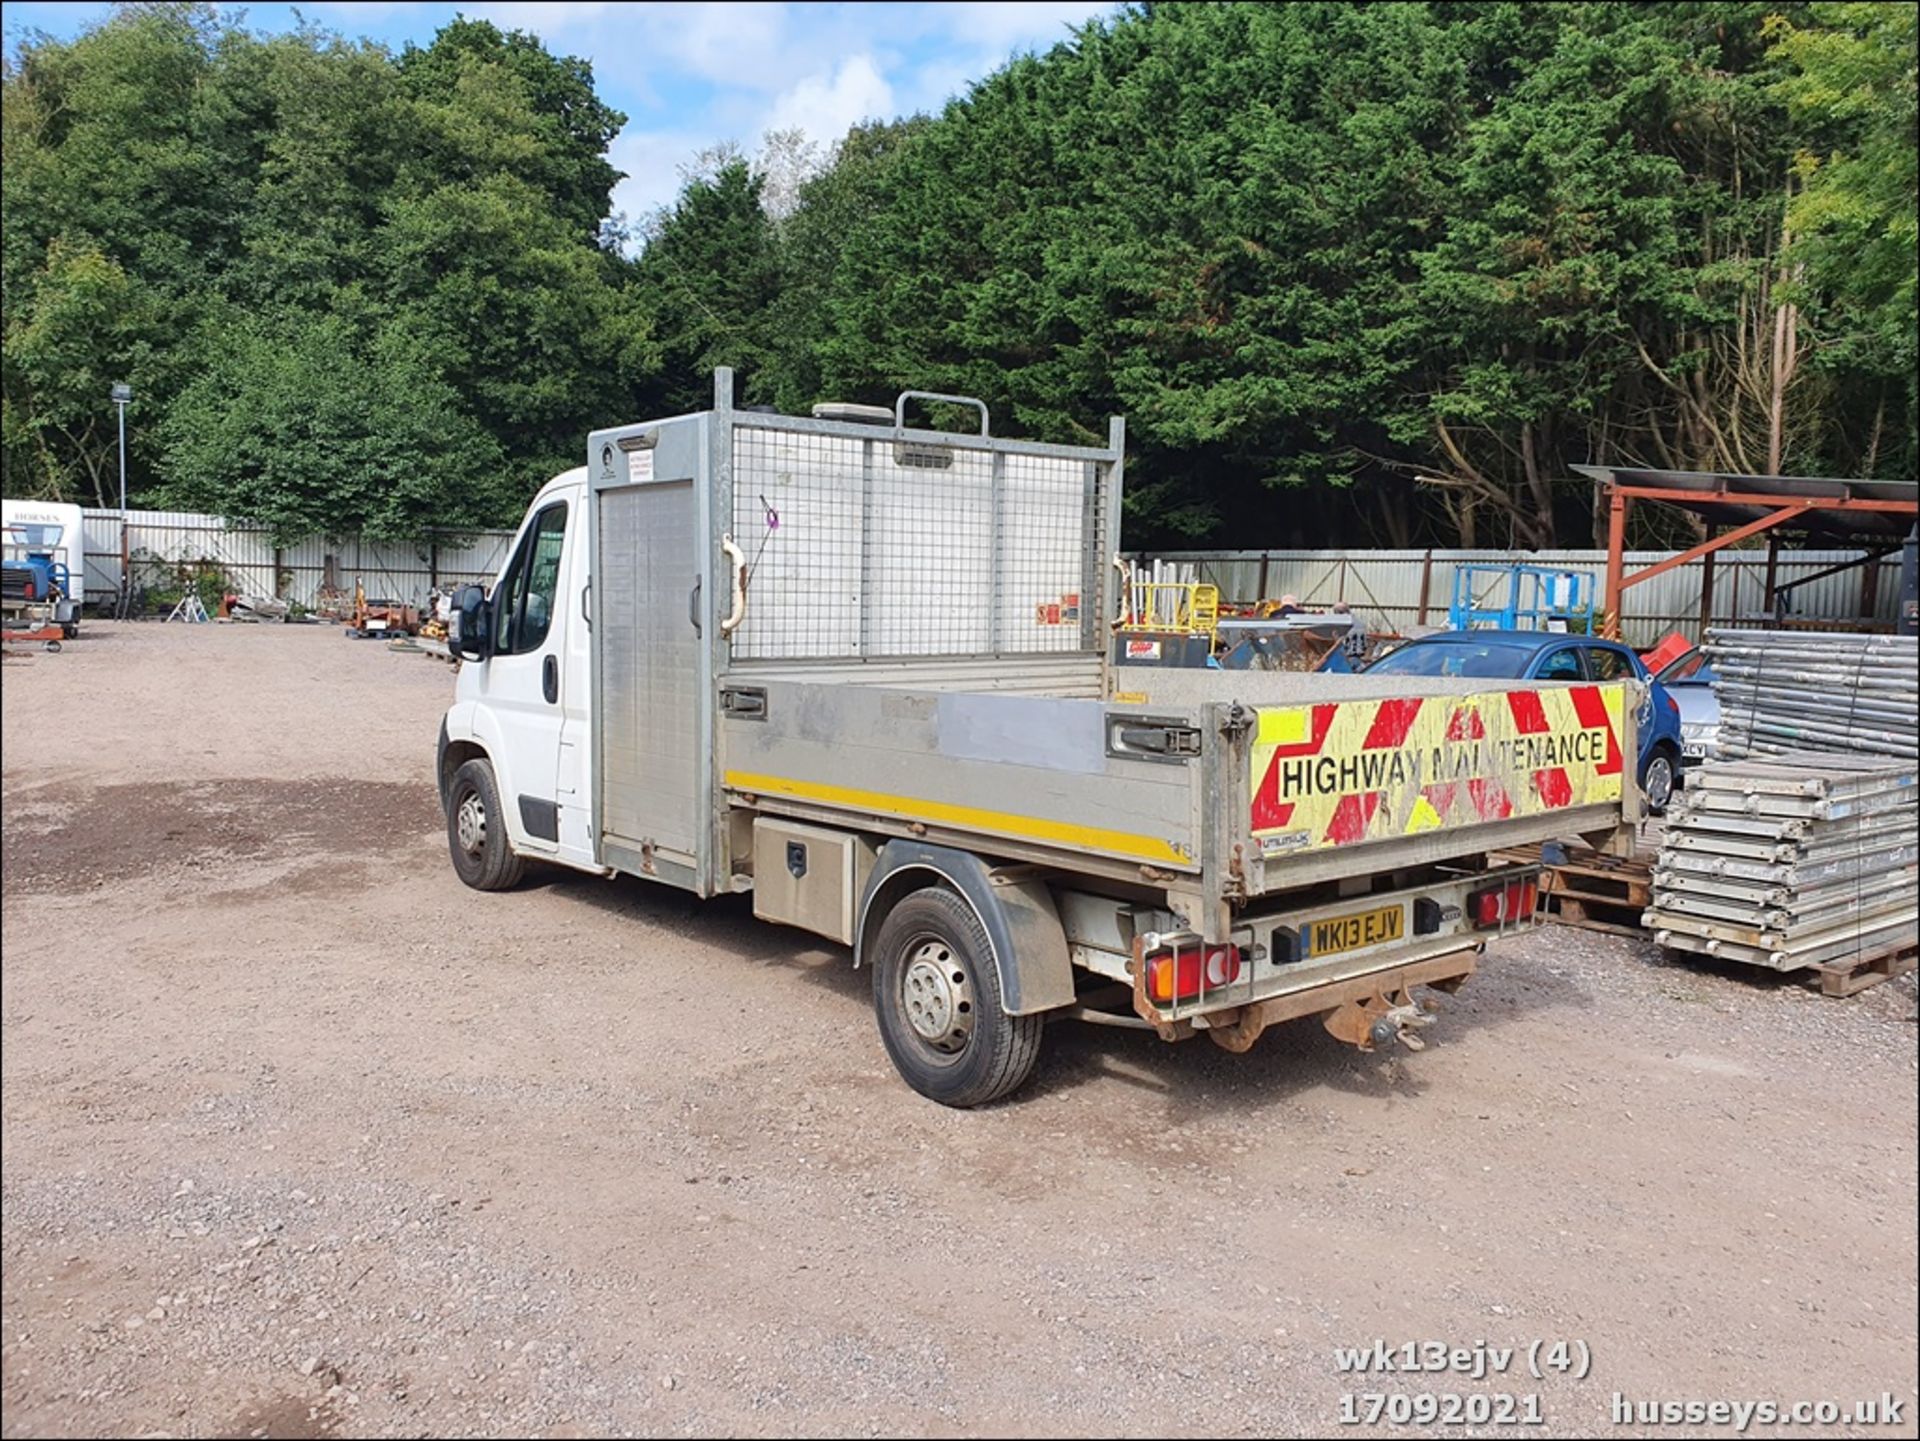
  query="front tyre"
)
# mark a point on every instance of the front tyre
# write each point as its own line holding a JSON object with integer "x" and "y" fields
{"x": 477, "y": 831}
{"x": 1657, "y": 779}
{"x": 936, "y": 995}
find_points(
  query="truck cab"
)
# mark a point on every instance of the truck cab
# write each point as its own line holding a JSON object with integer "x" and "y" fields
{"x": 863, "y": 671}
{"x": 526, "y": 708}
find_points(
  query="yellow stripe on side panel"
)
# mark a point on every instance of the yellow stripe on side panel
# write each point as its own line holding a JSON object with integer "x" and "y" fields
{"x": 1029, "y": 827}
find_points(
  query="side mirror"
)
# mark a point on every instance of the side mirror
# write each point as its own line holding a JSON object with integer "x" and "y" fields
{"x": 469, "y": 633}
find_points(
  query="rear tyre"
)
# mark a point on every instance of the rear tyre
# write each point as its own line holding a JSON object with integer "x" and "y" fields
{"x": 477, "y": 831}
{"x": 1657, "y": 779}
{"x": 936, "y": 994}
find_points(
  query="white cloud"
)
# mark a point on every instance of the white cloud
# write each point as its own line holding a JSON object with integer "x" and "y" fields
{"x": 348, "y": 16}
{"x": 1007, "y": 25}
{"x": 825, "y": 106}
{"x": 541, "y": 17}
{"x": 652, "y": 160}
{"x": 756, "y": 67}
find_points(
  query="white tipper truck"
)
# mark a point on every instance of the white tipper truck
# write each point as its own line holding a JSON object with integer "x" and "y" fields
{"x": 861, "y": 670}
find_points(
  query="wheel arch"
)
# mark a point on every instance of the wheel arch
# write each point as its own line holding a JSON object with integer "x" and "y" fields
{"x": 1666, "y": 747}
{"x": 452, "y": 755}
{"x": 1022, "y": 923}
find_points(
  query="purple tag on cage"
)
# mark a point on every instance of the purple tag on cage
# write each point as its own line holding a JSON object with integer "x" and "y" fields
{"x": 773, "y": 516}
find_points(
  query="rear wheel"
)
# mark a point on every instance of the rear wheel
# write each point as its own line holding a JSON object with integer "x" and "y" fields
{"x": 937, "y": 997}
{"x": 477, "y": 831}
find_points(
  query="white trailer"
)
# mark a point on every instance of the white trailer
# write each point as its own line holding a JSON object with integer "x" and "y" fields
{"x": 861, "y": 670}
{"x": 50, "y": 528}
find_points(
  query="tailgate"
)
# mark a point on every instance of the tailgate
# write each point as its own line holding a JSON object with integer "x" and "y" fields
{"x": 1353, "y": 772}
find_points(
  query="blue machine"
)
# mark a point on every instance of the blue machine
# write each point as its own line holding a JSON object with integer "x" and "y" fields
{"x": 34, "y": 583}
{"x": 1521, "y": 597}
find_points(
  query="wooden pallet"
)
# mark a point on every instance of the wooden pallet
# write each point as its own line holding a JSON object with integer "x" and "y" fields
{"x": 1593, "y": 891}
{"x": 1857, "y": 973}
{"x": 1593, "y": 913}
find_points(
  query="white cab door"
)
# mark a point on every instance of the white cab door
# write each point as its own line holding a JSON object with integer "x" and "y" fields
{"x": 523, "y": 683}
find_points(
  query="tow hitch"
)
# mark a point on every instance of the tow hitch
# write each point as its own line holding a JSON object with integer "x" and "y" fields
{"x": 1380, "y": 1020}
{"x": 1402, "y": 1023}
{"x": 1365, "y": 1011}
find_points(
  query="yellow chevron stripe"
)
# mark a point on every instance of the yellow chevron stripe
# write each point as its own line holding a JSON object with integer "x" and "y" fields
{"x": 968, "y": 817}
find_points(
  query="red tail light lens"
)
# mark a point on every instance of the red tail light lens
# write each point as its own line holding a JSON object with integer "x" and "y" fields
{"x": 1512, "y": 902}
{"x": 31, "y": 590}
{"x": 1177, "y": 975}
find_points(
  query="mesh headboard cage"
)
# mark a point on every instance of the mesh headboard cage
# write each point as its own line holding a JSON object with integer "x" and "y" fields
{"x": 892, "y": 543}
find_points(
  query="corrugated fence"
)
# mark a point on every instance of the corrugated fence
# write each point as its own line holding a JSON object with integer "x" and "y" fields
{"x": 1394, "y": 589}
{"x": 161, "y": 541}
{"x": 1390, "y": 589}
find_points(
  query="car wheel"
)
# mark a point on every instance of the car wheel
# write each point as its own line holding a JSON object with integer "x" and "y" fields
{"x": 477, "y": 831}
{"x": 1656, "y": 780}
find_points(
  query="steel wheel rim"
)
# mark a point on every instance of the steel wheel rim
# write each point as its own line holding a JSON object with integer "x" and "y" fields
{"x": 936, "y": 996}
{"x": 470, "y": 824}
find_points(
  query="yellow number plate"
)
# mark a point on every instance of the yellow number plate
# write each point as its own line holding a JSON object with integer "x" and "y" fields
{"x": 1362, "y": 928}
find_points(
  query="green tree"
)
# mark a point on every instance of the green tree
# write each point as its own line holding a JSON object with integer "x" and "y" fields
{"x": 299, "y": 426}
{"x": 556, "y": 128}
{"x": 1851, "y": 89}
{"x": 710, "y": 276}
{"x": 85, "y": 326}
{"x": 430, "y": 222}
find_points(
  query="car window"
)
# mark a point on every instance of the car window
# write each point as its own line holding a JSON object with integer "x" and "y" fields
{"x": 1562, "y": 664}
{"x": 527, "y": 594}
{"x": 1606, "y": 663}
{"x": 1687, "y": 668}
{"x": 1491, "y": 659}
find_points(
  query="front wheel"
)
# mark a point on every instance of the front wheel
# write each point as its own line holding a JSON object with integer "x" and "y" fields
{"x": 1656, "y": 780}
{"x": 477, "y": 831}
{"x": 937, "y": 997}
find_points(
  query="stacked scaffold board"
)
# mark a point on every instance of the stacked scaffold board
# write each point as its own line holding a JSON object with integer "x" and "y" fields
{"x": 1806, "y": 690}
{"x": 1805, "y": 859}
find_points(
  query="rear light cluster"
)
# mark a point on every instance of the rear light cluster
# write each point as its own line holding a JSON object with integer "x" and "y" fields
{"x": 1177, "y": 975}
{"x": 1497, "y": 905}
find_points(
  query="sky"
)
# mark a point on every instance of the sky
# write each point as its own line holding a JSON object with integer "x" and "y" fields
{"x": 692, "y": 75}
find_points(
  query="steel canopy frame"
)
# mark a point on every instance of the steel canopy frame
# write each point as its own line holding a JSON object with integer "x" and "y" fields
{"x": 1866, "y": 510}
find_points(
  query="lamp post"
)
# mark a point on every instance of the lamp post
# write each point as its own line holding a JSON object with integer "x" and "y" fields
{"x": 122, "y": 393}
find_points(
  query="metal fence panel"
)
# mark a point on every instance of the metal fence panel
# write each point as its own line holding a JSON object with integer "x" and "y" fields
{"x": 160, "y": 542}
{"x": 1394, "y": 589}
{"x": 1389, "y": 589}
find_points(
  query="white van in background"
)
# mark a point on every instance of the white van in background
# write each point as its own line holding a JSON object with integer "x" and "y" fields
{"x": 55, "y": 529}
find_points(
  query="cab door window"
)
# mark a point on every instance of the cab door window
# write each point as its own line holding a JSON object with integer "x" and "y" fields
{"x": 532, "y": 585}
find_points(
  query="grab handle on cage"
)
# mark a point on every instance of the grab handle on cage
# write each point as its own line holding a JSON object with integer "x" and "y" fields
{"x": 900, "y": 405}
{"x": 1121, "y": 564}
{"x": 739, "y": 559}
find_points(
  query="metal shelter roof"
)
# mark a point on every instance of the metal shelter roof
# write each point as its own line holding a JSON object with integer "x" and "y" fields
{"x": 1862, "y": 511}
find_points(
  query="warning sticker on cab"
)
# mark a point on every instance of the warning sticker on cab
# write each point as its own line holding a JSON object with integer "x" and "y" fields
{"x": 1347, "y": 771}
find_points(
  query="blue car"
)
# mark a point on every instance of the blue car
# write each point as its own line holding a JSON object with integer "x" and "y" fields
{"x": 1545, "y": 655}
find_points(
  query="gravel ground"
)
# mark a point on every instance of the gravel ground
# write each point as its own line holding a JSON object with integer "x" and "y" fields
{"x": 302, "y": 1138}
